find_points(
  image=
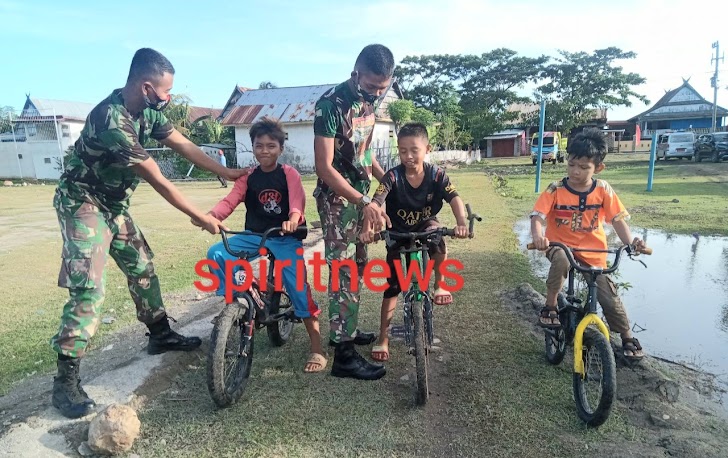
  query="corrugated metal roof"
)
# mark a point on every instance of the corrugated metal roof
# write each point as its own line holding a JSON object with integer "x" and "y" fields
{"x": 287, "y": 104}
{"x": 64, "y": 108}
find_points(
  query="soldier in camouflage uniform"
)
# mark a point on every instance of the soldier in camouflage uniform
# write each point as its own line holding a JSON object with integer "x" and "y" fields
{"x": 343, "y": 128}
{"x": 92, "y": 202}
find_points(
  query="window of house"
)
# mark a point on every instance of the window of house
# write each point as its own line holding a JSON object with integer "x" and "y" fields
{"x": 66, "y": 130}
{"x": 47, "y": 160}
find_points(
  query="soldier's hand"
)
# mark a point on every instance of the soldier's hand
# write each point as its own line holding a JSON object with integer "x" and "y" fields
{"x": 212, "y": 224}
{"x": 234, "y": 174}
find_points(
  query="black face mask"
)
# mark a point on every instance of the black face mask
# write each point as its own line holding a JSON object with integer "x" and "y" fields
{"x": 158, "y": 106}
{"x": 369, "y": 98}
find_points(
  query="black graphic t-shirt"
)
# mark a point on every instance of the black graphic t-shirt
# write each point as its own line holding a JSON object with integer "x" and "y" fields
{"x": 408, "y": 207}
{"x": 270, "y": 198}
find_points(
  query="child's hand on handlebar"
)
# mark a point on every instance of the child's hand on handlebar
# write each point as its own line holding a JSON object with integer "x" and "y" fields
{"x": 461, "y": 231}
{"x": 289, "y": 227}
{"x": 541, "y": 243}
{"x": 367, "y": 236}
{"x": 638, "y": 244}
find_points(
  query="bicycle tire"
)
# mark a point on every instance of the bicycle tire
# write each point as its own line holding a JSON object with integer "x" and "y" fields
{"x": 596, "y": 345}
{"x": 422, "y": 389}
{"x": 555, "y": 345}
{"x": 226, "y": 389}
{"x": 280, "y": 332}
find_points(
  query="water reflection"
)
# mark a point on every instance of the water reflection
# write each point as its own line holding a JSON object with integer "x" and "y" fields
{"x": 681, "y": 299}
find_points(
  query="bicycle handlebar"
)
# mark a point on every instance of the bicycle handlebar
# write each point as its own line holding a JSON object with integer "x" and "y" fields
{"x": 570, "y": 256}
{"x": 472, "y": 217}
{"x": 300, "y": 231}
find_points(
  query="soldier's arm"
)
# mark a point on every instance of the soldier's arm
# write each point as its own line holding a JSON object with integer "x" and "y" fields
{"x": 194, "y": 154}
{"x": 323, "y": 150}
{"x": 149, "y": 171}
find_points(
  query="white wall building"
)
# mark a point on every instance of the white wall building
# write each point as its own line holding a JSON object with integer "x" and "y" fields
{"x": 294, "y": 107}
{"x": 35, "y": 145}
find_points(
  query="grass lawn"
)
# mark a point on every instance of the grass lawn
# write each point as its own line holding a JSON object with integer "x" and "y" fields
{"x": 494, "y": 394}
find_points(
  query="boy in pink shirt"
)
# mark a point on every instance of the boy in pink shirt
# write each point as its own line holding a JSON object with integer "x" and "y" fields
{"x": 274, "y": 197}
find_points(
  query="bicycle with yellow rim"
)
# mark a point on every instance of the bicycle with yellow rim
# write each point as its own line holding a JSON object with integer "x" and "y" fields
{"x": 595, "y": 378}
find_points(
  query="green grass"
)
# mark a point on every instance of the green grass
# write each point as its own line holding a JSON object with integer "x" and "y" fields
{"x": 495, "y": 395}
{"x": 701, "y": 190}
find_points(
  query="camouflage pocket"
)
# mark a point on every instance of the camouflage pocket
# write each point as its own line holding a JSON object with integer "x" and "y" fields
{"x": 77, "y": 267}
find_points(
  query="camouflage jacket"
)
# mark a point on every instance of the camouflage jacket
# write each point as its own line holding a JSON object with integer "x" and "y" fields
{"x": 350, "y": 122}
{"x": 99, "y": 171}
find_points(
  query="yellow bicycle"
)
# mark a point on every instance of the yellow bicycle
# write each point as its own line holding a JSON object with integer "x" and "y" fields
{"x": 595, "y": 377}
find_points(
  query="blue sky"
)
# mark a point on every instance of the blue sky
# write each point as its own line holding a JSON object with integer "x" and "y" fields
{"x": 81, "y": 50}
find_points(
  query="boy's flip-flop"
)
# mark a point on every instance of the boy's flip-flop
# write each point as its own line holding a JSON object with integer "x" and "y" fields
{"x": 380, "y": 353}
{"x": 319, "y": 362}
{"x": 443, "y": 299}
{"x": 632, "y": 345}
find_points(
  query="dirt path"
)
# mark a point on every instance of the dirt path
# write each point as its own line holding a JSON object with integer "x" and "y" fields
{"x": 121, "y": 372}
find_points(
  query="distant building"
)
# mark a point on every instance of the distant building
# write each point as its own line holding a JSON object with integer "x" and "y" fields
{"x": 294, "y": 108}
{"x": 40, "y": 136}
{"x": 678, "y": 109}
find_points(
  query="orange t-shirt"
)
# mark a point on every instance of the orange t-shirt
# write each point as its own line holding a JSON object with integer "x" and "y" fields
{"x": 576, "y": 218}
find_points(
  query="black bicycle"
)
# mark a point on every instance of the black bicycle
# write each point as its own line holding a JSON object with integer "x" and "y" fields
{"x": 231, "y": 344}
{"x": 418, "y": 322}
{"x": 595, "y": 371}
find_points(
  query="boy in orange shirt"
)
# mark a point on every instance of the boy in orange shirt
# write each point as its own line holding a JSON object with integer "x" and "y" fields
{"x": 574, "y": 210}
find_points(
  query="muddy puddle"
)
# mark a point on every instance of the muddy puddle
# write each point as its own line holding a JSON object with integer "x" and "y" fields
{"x": 678, "y": 305}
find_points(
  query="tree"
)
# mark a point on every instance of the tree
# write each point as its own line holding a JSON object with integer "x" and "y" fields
{"x": 7, "y": 114}
{"x": 400, "y": 111}
{"x": 212, "y": 131}
{"x": 577, "y": 83}
{"x": 267, "y": 85}
{"x": 483, "y": 85}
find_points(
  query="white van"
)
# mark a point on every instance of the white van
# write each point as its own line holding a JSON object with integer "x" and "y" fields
{"x": 675, "y": 145}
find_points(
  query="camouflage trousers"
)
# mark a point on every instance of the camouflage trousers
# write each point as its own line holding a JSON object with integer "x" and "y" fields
{"x": 341, "y": 223}
{"x": 90, "y": 235}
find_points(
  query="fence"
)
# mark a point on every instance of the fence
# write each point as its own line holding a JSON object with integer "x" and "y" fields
{"x": 32, "y": 145}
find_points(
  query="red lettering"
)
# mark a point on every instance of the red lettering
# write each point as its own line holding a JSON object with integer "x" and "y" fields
{"x": 278, "y": 272}
{"x": 300, "y": 274}
{"x": 350, "y": 266}
{"x": 414, "y": 269}
{"x": 370, "y": 274}
{"x": 207, "y": 276}
{"x": 317, "y": 263}
{"x": 230, "y": 284}
{"x": 459, "y": 282}
{"x": 263, "y": 271}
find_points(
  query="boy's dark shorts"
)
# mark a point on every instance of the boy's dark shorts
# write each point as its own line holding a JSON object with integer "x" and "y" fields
{"x": 393, "y": 255}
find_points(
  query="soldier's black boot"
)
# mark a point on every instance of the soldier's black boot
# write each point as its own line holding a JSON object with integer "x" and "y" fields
{"x": 362, "y": 338}
{"x": 68, "y": 396}
{"x": 162, "y": 339}
{"x": 349, "y": 363}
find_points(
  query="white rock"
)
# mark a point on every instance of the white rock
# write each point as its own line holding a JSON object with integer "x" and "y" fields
{"x": 404, "y": 378}
{"x": 108, "y": 347}
{"x": 114, "y": 430}
{"x": 665, "y": 417}
{"x": 436, "y": 341}
{"x": 108, "y": 320}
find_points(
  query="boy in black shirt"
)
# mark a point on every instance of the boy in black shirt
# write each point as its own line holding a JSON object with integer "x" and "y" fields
{"x": 274, "y": 197}
{"x": 414, "y": 192}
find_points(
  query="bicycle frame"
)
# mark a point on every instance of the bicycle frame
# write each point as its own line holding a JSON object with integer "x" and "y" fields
{"x": 590, "y": 317}
{"x": 418, "y": 254}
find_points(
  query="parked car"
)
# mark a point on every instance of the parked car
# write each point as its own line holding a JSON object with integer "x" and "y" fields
{"x": 675, "y": 145}
{"x": 711, "y": 146}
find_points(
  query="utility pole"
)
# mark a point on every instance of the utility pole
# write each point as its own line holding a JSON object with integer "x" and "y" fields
{"x": 714, "y": 83}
